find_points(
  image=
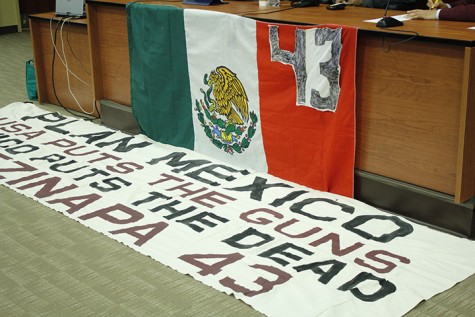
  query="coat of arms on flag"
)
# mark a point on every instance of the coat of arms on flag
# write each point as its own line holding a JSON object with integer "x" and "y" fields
{"x": 224, "y": 112}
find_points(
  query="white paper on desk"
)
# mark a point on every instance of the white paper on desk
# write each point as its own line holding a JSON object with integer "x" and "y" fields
{"x": 401, "y": 17}
{"x": 472, "y": 28}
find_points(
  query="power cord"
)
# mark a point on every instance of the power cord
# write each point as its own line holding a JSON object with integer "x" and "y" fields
{"x": 74, "y": 54}
{"x": 390, "y": 46}
{"x": 61, "y": 22}
{"x": 68, "y": 71}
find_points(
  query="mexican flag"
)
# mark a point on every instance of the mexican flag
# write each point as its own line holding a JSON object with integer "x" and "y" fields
{"x": 269, "y": 97}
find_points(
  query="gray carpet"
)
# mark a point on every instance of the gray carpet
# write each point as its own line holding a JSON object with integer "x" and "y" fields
{"x": 52, "y": 266}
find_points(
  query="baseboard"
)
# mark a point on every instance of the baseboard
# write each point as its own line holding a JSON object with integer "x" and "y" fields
{"x": 119, "y": 117}
{"x": 422, "y": 205}
{"x": 8, "y": 29}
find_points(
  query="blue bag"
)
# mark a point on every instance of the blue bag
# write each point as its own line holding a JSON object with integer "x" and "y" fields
{"x": 31, "y": 88}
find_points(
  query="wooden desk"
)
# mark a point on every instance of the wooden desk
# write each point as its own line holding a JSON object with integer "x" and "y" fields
{"x": 76, "y": 49}
{"x": 415, "y": 132}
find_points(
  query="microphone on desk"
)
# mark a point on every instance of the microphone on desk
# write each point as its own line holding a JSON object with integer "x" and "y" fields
{"x": 388, "y": 22}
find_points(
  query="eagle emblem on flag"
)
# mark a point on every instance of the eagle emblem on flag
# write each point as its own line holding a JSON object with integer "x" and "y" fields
{"x": 224, "y": 111}
{"x": 230, "y": 97}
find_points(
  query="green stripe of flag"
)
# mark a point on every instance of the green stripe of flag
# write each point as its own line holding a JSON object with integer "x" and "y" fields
{"x": 158, "y": 65}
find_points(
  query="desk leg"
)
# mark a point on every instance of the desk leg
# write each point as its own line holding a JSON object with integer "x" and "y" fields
{"x": 94, "y": 52}
{"x": 465, "y": 177}
{"x": 39, "y": 61}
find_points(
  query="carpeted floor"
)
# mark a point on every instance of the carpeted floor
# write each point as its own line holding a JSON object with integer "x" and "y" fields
{"x": 52, "y": 266}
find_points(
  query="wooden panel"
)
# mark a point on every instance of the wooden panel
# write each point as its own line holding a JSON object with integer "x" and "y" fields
{"x": 72, "y": 89}
{"x": 408, "y": 110}
{"x": 111, "y": 27}
{"x": 465, "y": 187}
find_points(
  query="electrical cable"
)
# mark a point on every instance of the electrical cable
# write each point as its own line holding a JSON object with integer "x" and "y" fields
{"x": 56, "y": 49}
{"x": 243, "y": 14}
{"x": 66, "y": 65}
{"x": 73, "y": 53}
{"x": 386, "y": 50}
{"x": 55, "y": 52}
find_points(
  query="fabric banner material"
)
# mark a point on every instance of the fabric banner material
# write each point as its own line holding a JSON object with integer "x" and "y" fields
{"x": 274, "y": 98}
{"x": 284, "y": 249}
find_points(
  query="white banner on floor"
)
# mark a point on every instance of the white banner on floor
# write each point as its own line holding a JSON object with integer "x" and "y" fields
{"x": 284, "y": 249}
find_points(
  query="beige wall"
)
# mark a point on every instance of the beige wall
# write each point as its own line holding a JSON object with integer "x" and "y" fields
{"x": 10, "y": 13}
